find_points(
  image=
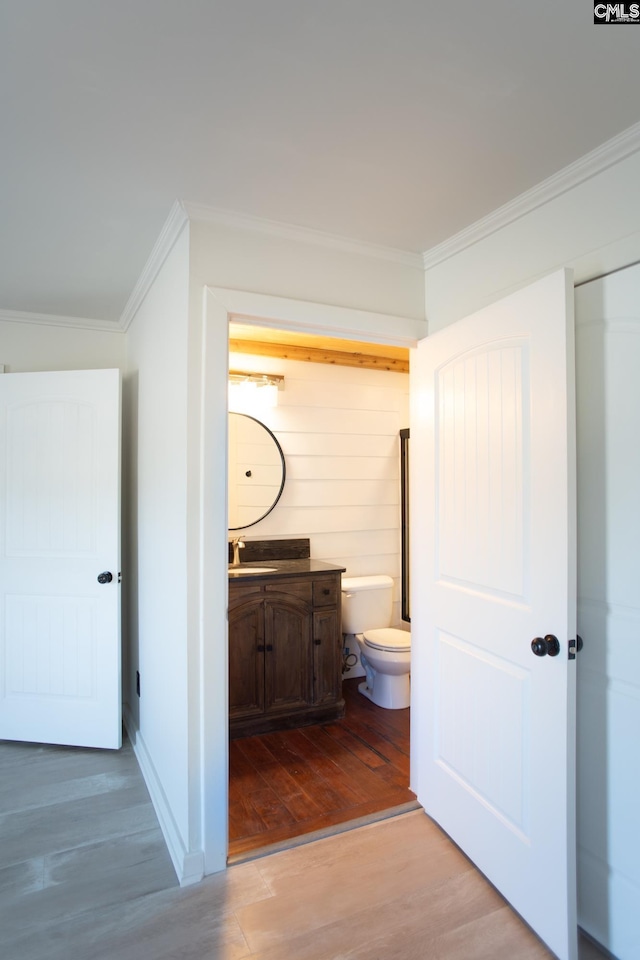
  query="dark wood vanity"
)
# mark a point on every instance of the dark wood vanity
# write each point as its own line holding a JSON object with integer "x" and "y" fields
{"x": 285, "y": 646}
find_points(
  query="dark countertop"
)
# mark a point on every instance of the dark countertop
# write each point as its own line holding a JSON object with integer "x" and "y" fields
{"x": 284, "y": 568}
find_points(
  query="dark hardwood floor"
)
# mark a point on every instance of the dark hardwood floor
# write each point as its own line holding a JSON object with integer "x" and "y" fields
{"x": 296, "y": 782}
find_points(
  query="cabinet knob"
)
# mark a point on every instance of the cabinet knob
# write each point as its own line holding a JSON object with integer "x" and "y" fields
{"x": 326, "y": 591}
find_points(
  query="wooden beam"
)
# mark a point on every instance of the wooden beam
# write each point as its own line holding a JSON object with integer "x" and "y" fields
{"x": 339, "y": 358}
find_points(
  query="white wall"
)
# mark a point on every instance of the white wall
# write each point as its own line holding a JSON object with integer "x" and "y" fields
{"x": 339, "y": 432}
{"x": 224, "y": 256}
{"x": 592, "y": 228}
{"x": 155, "y": 398}
{"x": 31, "y": 347}
{"x": 608, "y": 410}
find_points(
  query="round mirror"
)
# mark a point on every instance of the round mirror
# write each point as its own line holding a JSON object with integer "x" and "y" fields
{"x": 256, "y": 471}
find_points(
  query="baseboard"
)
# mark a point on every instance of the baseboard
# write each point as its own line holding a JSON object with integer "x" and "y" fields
{"x": 596, "y": 943}
{"x": 189, "y": 865}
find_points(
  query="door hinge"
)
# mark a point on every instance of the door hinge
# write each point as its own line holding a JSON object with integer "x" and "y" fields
{"x": 574, "y": 647}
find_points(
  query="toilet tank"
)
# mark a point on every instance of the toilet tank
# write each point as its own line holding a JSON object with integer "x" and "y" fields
{"x": 367, "y": 603}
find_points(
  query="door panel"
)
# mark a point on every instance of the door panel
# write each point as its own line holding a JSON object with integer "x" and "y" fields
{"x": 51, "y": 461}
{"x": 53, "y": 650}
{"x": 481, "y": 724}
{"x": 493, "y": 567}
{"x": 483, "y": 452}
{"x": 246, "y": 659}
{"x": 59, "y": 529}
{"x": 288, "y": 657}
{"x": 327, "y": 652}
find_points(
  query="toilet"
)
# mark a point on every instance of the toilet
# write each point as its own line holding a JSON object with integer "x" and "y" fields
{"x": 385, "y": 651}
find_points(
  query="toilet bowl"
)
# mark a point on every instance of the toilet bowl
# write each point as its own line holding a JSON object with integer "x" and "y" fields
{"x": 385, "y": 655}
{"x": 385, "y": 651}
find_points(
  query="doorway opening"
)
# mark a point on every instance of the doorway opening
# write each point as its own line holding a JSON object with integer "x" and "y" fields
{"x": 340, "y": 413}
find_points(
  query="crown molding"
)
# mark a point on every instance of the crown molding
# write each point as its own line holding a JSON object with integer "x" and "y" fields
{"x": 275, "y": 228}
{"x": 587, "y": 167}
{"x": 53, "y": 320}
{"x": 170, "y": 232}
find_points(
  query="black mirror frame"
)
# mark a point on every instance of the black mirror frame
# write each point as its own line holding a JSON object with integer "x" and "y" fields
{"x": 404, "y": 510}
{"x": 284, "y": 469}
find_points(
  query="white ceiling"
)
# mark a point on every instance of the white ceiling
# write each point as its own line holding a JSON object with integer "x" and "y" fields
{"x": 397, "y": 122}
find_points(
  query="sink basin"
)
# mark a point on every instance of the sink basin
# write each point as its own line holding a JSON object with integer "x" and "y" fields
{"x": 247, "y": 569}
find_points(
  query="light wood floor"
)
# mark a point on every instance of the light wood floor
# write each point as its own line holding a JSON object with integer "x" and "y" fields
{"x": 84, "y": 875}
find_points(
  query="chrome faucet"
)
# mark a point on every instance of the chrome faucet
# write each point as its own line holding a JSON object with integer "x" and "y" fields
{"x": 238, "y": 545}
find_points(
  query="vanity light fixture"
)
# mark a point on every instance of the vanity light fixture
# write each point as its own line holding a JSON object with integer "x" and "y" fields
{"x": 249, "y": 392}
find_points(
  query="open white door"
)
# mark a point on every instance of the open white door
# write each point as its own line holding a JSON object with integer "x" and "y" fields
{"x": 60, "y": 530}
{"x": 493, "y": 567}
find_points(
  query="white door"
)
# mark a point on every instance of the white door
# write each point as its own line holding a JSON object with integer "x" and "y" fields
{"x": 493, "y": 568}
{"x": 60, "y": 530}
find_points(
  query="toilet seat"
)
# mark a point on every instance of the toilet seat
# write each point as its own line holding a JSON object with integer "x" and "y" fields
{"x": 388, "y": 638}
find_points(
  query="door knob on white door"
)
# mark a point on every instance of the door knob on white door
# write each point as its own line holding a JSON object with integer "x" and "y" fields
{"x": 548, "y": 645}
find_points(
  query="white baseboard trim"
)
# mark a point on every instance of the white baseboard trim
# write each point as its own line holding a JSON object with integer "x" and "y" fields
{"x": 189, "y": 865}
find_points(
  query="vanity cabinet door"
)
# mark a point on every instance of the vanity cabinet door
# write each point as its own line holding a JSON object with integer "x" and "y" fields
{"x": 288, "y": 679}
{"x": 285, "y": 653}
{"x": 327, "y": 656}
{"x": 246, "y": 659}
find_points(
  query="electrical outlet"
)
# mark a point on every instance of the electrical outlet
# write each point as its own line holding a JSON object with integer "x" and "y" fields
{"x": 138, "y": 682}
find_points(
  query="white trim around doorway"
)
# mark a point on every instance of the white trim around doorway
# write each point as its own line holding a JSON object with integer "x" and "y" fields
{"x": 221, "y": 305}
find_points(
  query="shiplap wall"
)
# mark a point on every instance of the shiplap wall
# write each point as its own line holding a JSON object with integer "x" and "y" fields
{"x": 339, "y": 431}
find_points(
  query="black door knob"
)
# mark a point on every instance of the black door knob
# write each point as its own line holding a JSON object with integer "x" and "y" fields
{"x": 547, "y": 646}
{"x": 105, "y": 577}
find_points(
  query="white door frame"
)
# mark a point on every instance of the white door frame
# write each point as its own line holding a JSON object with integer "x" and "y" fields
{"x": 210, "y": 705}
